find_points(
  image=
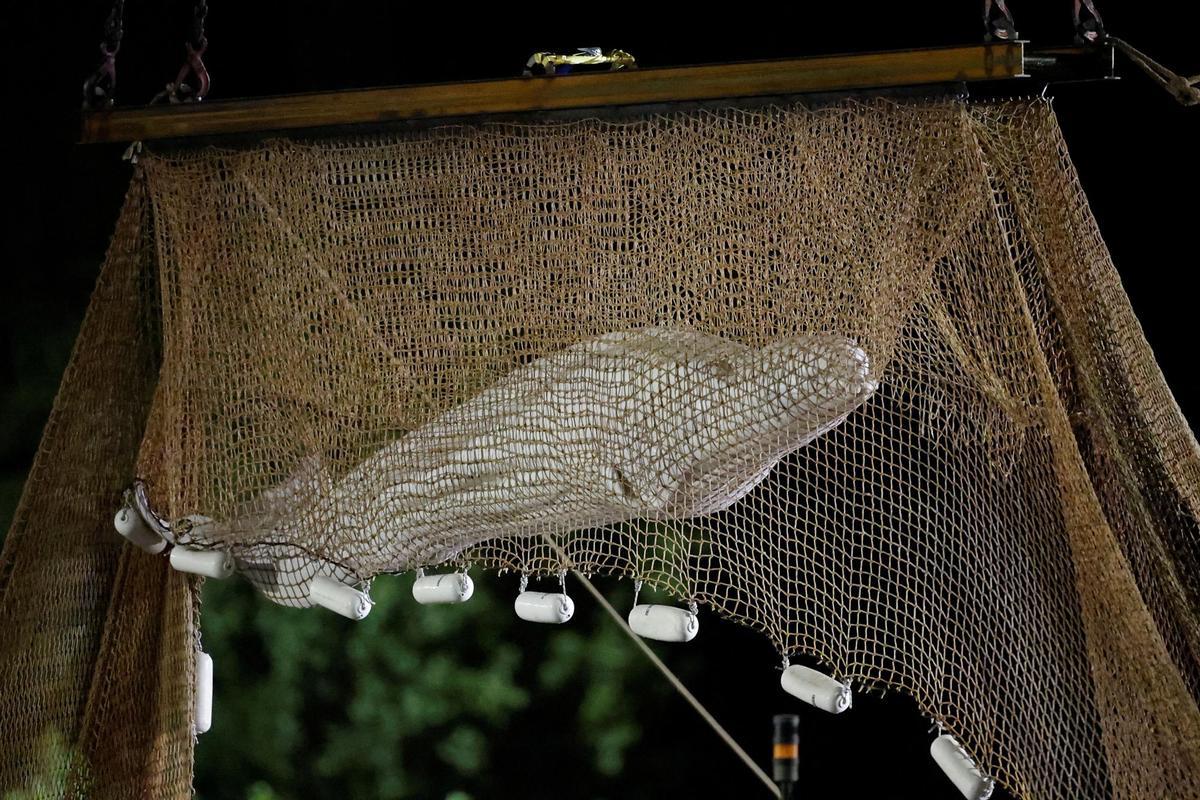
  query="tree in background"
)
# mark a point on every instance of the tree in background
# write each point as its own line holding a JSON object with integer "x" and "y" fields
{"x": 414, "y": 701}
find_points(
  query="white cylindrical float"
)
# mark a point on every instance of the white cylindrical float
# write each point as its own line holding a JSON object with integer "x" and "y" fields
{"x": 210, "y": 563}
{"x": 960, "y": 769}
{"x": 455, "y": 587}
{"x": 204, "y": 692}
{"x": 664, "y": 623}
{"x": 553, "y": 608}
{"x": 129, "y": 524}
{"x": 816, "y": 689}
{"x": 338, "y": 597}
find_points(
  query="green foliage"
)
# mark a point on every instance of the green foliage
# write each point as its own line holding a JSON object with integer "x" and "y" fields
{"x": 414, "y": 701}
{"x": 604, "y": 662}
{"x": 261, "y": 791}
{"x": 50, "y": 777}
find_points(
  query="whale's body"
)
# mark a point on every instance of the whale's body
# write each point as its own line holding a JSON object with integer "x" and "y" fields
{"x": 653, "y": 423}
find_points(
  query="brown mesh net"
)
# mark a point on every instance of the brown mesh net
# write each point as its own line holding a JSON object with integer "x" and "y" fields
{"x": 862, "y": 378}
{"x": 96, "y": 639}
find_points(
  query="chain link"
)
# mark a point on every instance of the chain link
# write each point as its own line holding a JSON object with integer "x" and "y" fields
{"x": 99, "y": 90}
{"x": 192, "y": 81}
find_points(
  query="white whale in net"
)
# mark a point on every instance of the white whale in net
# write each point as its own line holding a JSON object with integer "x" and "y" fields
{"x": 651, "y": 423}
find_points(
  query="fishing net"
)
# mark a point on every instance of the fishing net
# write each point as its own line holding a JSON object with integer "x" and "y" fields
{"x": 861, "y": 377}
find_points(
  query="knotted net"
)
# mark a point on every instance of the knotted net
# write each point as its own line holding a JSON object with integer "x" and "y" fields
{"x": 861, "y": 377}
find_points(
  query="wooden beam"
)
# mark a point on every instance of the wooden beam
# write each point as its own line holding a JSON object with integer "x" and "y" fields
{"x": 531, "y": 94}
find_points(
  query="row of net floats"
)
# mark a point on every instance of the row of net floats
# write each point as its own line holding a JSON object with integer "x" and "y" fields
{"x": 138, "y": 524}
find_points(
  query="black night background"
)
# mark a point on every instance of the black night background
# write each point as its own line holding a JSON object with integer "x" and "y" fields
{"x": 472, "y": 703}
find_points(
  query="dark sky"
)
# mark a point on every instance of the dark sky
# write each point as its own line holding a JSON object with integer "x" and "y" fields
{"x": 1134, "y": 147}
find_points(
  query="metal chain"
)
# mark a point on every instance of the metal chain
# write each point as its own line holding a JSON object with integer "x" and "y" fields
{"x": 114, "y": 25}
{"x": 1088, "y": 30}
{"x": 191, "y": 83}
{"x": 199, "y": 15}
{"x": 99, "y": 90}
{"x": 1002, "y": 27}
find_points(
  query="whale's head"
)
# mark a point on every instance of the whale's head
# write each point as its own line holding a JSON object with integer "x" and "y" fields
{"x": 817, "y": 375}
{"x": 740, "y": 411}
{"x": 796, "y": 387}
